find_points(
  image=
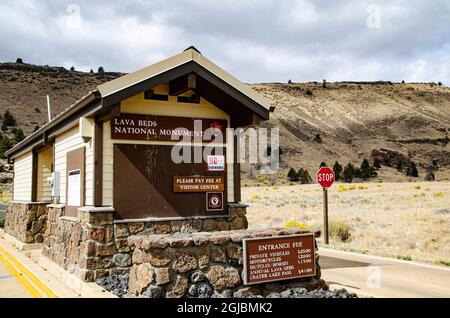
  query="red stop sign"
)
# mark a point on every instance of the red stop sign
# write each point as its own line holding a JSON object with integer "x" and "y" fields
{"x": 325, "y": 177}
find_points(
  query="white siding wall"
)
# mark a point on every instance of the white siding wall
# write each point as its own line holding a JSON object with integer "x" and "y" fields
{"x": 23, "y": 174}
{"x": 64, "y": 143}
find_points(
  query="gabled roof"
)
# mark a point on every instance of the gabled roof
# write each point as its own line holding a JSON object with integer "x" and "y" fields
{"x": 108, "y": 94}
{"x": 190, "y": 54}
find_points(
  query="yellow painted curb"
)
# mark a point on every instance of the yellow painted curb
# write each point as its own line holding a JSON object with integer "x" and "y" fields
{"x": 27, "y": 273}
{"x": 28, "y": 287}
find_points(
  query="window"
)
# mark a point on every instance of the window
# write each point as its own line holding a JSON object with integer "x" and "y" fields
{"x": 194, "y": 98}
{"x": 150, "y": 94}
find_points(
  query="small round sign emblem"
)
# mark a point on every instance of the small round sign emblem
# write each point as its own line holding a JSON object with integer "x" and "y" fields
{"x": 214, "y": 201}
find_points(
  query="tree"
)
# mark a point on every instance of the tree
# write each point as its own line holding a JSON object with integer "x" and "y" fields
{"x": 348, "y": 173}
{"x": 91, "y": 71}
{"x": 289, "y": 82}
{"x": 4, "y": 127}
{"x": 101, "y": 70}
{"x": 72, "y": 68}
{"x": 8, "y": 119}
{"x": 19, "y": 135}
{"x": 412, "y": 170}
{"x": 303, "y": 176}
{"x": 324, "y": 83}
{"x": 377, "y": 163}
{"x": 292, "y": 175}
{"x": 400, "y": 165}
{"x": 5, "y": 145}
{"x": 19, "y": 60}
{"x": 322, "y": 164}
{"x": 366, "y": 170}
{"x": 337, "y": 169}
{"x": 357, "y": 173}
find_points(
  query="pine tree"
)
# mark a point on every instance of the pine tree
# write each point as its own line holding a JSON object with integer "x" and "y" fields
{"x": 348, "y": 173}
{"x": 323, "y": 164}
{"x": 366, "y": 171}
{"x": 400, "y": 165}
{"x": 8, "y": 119}
{"x": 5, "y": 145}
{"x": 18, "y": 135}
{"x": 337, "y": 169}
{"x": 292, "y": 175}
{"x": 101, "y": 70}
{"x": 304, "y": 177}
{"x": 357, "y": 173}
{"x": 412, "y": 170}
{"x": 377, "y": 163}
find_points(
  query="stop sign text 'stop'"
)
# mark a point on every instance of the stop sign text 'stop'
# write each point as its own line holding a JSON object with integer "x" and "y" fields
{"x": 325, "y": 177}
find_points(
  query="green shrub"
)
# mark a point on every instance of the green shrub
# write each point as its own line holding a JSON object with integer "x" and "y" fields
{"x": 377, "y": 163}
{"x": 339, "y": 230}
{"x": 292, "y": 175}
{"x": 412, "y": 170}
{"x": 2, "y": 223}
{"x": 303, "y": 176}
{"x": 8, "y": 119}
{"x": 348, "y": 173}
{"x": 400, "y": 166}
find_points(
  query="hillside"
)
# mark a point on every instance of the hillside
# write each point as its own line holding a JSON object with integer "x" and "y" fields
{"x": 354, "y": 120}
{"x": 362, "y": 120}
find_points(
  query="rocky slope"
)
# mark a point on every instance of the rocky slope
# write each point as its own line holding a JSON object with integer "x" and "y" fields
{"x": 362, "y": 120}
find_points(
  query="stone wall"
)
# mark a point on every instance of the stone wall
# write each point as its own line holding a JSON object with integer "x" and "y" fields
{"x": 200, "y": 265}
{"x": 93, "y": 246}
{"x": 27, "y": 222}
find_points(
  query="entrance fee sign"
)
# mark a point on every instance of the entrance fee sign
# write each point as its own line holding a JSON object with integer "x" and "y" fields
{"x": 278, "y": 258}
{"x": 166, "y": 128}
{"x": 198, "y": 184}
{"x": 325, "y": 177}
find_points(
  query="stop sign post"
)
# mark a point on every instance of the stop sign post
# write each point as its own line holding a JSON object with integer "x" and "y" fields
{"x": 325, "y": 177}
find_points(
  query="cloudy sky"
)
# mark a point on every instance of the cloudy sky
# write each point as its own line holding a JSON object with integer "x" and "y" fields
{"x": 255, "y": 40}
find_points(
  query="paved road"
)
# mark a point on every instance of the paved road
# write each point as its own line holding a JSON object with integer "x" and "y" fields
{"x": 383, "y": 277}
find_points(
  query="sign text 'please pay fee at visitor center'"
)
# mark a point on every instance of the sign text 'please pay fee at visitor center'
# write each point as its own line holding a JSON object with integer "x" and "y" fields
{"x": 278, "y": 258}
{"x": 198, "y": 183}
{"x": 166, "y": 128}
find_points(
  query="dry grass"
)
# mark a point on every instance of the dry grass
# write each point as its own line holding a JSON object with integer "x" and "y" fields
{"x": 5, "y": 196}
{"x": 390, "y": 219}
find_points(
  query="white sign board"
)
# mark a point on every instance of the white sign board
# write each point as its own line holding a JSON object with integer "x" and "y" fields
{"x": 74, "y": 188}
{"x": 216, "y": 163}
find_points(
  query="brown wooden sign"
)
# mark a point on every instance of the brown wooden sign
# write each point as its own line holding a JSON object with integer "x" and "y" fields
{"x": 198, "y": 183}
{"x": 278, "y": 258}
{"x": 166, "y": 128}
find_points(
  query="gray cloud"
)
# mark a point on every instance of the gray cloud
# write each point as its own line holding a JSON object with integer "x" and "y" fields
{"x": 256, "y": 40}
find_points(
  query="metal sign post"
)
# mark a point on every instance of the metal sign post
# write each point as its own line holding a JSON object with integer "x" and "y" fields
{"x": 325, "y": 215}
{"x": 325, "y": 177}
